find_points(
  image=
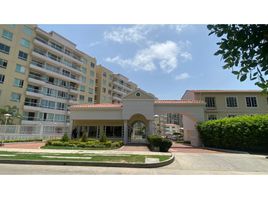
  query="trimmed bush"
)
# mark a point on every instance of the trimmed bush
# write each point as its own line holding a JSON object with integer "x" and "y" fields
{"x": 65, "y": 138}
{"x": 248, "y": 133}
{"x": 156, "y": 143}
{"x": 165, "y": 145}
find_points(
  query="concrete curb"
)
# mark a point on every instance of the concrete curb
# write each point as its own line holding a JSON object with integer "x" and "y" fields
{"x": 226, "y": 150}
{"x": 95, "y": 164}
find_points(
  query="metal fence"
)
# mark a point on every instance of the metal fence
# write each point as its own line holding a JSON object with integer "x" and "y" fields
{"x": 17, "y": 132}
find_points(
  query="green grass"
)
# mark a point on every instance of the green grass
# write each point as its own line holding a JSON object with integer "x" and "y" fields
{"x": 123, "y": 158}
{"x": 77, "y": 148}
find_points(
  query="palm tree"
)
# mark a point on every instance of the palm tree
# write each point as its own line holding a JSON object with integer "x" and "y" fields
{"x": 13, "y": 111}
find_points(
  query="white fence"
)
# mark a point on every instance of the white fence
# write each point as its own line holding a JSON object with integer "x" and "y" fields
{"x": 14, "y": 132}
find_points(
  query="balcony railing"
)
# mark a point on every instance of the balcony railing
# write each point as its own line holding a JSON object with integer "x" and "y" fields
{"x": 39, "y": 105}
{"x": 58, "y": 49}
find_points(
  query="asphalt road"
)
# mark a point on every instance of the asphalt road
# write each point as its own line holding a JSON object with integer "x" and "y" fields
{"x": 185, "y": 163}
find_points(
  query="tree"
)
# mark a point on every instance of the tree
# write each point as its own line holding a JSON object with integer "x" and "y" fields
{"x": 13, "y": 111}
{"x": 244, "y": 49}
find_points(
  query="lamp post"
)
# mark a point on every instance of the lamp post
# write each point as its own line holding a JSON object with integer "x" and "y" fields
{"x": 7, "y": 115}
{"x": 157, "y": 125}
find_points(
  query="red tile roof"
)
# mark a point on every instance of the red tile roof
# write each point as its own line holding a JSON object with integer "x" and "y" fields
{"x": 102, "y": 105}
{"x": 224, "y": 91}
{"x": 178, "y": 101}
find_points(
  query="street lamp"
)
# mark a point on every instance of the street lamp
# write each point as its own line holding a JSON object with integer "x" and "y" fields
{"x": 7, "y": 115}
{"x": 157, "y": 127}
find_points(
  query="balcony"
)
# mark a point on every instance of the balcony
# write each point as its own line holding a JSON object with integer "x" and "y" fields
{"x": 45, "y": 44}
{"x": 115, "y": 90}
{"x": 122, "y": 85}
{"x": 37, "y": 107}
{"x": 54, "y": 61}
{"x": 50, "y": 70}
{"x": 117, "y": 98}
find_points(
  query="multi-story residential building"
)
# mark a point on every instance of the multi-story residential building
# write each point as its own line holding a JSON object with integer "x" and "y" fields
{"x": 104, "y": 85}
{"x": 172, "y": 128}
{"x": 174, "y": 118}
{"x": 110, "y": 87}
{"x": 43, "y": 74}
{"x": 121, "y": 87}
{"x": 230, "y": 103}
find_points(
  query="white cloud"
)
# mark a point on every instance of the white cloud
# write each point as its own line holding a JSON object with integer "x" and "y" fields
{"x": 182, "y": 76}
{"x": 137, "y": 33}
{"x": 133, "y": 34}
{"x": 165, "y": 55}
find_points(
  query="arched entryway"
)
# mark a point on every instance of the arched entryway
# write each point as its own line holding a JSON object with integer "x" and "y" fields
{"x": 138, "y": 127}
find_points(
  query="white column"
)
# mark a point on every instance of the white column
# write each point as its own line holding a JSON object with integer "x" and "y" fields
{"x": 125, "y": 132}
{"x": 151, "y": 127}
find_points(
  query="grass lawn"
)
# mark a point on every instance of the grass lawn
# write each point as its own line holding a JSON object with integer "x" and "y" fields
{"x": 77, "y": 148}
{"x": 123, "y": 158}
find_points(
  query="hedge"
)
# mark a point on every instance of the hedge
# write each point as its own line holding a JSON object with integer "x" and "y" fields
{"x": 157, "y": 142}
{"x": 248, "y": 133}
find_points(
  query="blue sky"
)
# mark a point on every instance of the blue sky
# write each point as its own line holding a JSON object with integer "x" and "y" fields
{"x": 165, "y": 60}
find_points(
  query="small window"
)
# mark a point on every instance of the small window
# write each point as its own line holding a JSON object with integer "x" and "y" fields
{"x": 83, "y": 79}
{"x": 7, "y": 35}
{"x": 3, "y": 63}
{"x": 15, "y": 97}
{"x": 91, "y": 82}
{"x": 212, "y": 117}
{"x": 81, "y": 97}
{"x": 103, "y": 90}
{"x": 138, "y": 94}
{"x": 90, "y": 100}
{"x": 2, "y": 78}
{"x": 90, "y": 91}
{"x": 25, "y": 43}
{"x": 20, "y": 69}
{"x": 210, "y": 102}
{"x": 27, "y": 30}
{"x": 82, "y": 88}
{"x": 84, "y": 70}
{"x": 251, "y": 101}
{"x": 231, "y": 101}
{"x": 92, "y": 65}
{"x": 4, "y": 48}
{"x": 22, "y": 55}
{"x": 18, "y": 83}
{"x": 92, "y": 73}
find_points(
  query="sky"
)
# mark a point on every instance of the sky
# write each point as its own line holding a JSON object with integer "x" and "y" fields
{"x": 165, "y": 60}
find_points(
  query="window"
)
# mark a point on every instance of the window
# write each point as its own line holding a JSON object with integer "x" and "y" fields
{"x": 81, "y": 97}
{"x": 90, "y": 90}
{"x": 138, "y": 94}
{"x": 20, "y": 69}
{"x": 90, "y": 100}
{"x": 25, "y": 43}
{"x": 210, "y": 102}
{"x": 103, "y": 90}
{"x": 18, "y": 83}
{"x": 27, "y": 30}
{"x": 92, "y": 65}
{"x": 61, "y": 106}
{"x": 251, "y": 101}
{"x": 231, "y": 101}
{"x": 2, "y": 78}
{"x": 22, "y": 55}
{"x": 212, "y": 117}
{"x": 60, "y": 118}
{"x": 84, "y": 70}
{"x": 104, "y": 74}
{"x": 91, "y": 82}
{"x": 3, "y": 63}
{"x": 92, "y": 73}
{"x": 4, "y": 48}
{"x": 83, "y": 79}
{"x": 15, "y": 97}
{"x": 7, "y": 35}
{"x": 82, "y": 88}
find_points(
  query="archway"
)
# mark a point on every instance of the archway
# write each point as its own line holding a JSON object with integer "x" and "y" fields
{"x": 138, "y": 128}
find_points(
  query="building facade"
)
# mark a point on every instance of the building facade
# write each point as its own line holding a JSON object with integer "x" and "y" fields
{"x": 43, "y": 74}
{"x": 230, "y": 103}
{"x": 172, "y": 128}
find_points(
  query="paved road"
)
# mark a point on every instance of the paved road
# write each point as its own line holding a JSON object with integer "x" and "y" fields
{"x": 185, "y": 163}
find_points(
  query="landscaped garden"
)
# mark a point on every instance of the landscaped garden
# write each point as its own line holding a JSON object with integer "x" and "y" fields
{"x": 83, "y": 143}
{"x": 249, "y": 133}
{"x": 120, "y": 158}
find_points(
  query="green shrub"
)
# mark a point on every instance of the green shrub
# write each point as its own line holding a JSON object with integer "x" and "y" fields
{"x": 248, "y": 133}
{"x": 103, "y": 137}
{"x": 157, "y": 142}
{"x": 65, "y": 138}
{"x": 84, "y": 137}
{"x": 165, "y": 145}
{"x": 108, "y": 143}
